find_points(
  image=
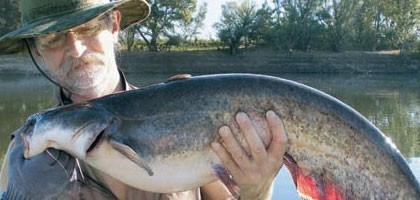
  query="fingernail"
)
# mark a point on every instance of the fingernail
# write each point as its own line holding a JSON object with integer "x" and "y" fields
{"x": 270, "y": 114}
{"x": 224, "y": 131}
{"x": 241, "y": 117}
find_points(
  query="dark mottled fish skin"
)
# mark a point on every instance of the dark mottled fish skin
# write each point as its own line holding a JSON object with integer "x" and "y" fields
{"x": 335, "y": 153}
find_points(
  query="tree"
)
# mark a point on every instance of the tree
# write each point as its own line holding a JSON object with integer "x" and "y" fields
{"x": 363, "y": 34}
{"x": 263, "y": 24}
{"x": 190, "y": 26}
{"x": 386, "y": 24}
{"x": 9, "y": 20}
{"x": 404, "y": 16}
{"x": 236, "y": 24}
{"x": 337, "y": 17}
{"x": 298, "y": 22}
{"x": 127, "y": 37}
{"x": 165, "y": 17}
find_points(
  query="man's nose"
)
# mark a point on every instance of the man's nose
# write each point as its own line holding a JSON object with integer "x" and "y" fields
{"x": 74, "y": 45}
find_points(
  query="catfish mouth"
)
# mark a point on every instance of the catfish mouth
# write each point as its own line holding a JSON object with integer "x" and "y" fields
{"x": 25, "y": 134}
{"x": 98, "y": 140}
{"x": 111, "y": 127}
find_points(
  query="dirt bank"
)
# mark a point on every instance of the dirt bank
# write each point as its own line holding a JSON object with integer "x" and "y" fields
{"x": 252, "y": 62}
{"x": 276, "y": 62}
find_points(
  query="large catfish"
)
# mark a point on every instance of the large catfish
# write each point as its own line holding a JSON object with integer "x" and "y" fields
{"x": 157, "y": 138}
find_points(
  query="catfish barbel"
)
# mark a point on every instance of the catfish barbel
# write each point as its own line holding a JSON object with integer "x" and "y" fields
{"x": 157, "y": 138}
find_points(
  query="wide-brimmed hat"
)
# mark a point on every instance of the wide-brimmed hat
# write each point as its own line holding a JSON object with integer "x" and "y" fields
{"x": 40, "y": 17}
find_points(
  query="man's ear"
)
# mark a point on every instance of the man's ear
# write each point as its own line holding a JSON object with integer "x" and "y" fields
{"x": 116, "y": 19}
{"x": 35, "y": 51}
{"x": 31, "y": 46}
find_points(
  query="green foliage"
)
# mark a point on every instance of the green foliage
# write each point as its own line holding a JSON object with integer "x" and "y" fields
{"x": 337, "y": 17}
{"x": 237, "y": 24}
{"x": 333, "y": 25}
{"x": 263, "y": 25}
{"x": 167, "y": 18}
{"x": 299, "y": 22}
{"x": 290, "y": 25}
{"x": 10, "y": 17}
{"x": 9, "y": 21}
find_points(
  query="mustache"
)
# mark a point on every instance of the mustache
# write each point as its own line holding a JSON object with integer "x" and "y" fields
{"x": 74, "y": 63}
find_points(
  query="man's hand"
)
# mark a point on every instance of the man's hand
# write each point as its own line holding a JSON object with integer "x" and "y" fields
{"x": 254, "y": 173}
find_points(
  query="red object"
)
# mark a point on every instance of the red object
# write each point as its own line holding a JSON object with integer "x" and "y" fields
{"x": 312, "y": 186}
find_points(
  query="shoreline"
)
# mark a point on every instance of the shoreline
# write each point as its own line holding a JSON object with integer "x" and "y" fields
{"x": 248, "y": 62}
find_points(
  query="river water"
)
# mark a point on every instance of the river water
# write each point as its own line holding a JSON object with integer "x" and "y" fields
{"x": 391, "y": 102}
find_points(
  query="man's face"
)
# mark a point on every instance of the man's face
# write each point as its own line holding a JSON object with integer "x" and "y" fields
{"x": 81, "y": 59}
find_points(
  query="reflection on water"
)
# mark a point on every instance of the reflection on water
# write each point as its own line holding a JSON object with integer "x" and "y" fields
{"x": 21, "y": 96}
{"x": 392, "y": 102}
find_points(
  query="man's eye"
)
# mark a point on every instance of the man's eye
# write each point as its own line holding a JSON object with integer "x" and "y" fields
{"x": 51, "y": 41}
{"x": 84, "y": 30}
{"x": 55, "y": 39}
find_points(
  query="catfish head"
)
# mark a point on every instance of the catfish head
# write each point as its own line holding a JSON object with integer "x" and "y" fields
{"x": 74, "y": 129}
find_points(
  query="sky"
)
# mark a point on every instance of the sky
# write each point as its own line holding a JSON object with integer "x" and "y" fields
{"x": 214, "y": 11}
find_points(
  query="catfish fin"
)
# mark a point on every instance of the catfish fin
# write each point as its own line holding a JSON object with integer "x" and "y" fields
{"x": 131, "y": 154}
{"x": 312, "y": 186}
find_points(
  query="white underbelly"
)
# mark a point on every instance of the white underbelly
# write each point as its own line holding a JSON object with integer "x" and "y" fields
{"x": 170, "y": 173}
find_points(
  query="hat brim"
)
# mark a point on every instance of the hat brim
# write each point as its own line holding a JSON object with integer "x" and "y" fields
{"x": 132, "y": 11}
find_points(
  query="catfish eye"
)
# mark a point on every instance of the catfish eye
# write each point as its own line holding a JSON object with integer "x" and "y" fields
{"x": 30, "y": 124}
{"x": 32, "y": 119}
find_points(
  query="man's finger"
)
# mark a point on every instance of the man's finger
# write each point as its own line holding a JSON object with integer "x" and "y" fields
{"x": 233, "y": 147}
{"x": 279, "y": 143}
{"x": 255, "y": 144}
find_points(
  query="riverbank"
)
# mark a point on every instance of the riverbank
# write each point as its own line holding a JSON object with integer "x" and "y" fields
{"x": 256, "y": 61}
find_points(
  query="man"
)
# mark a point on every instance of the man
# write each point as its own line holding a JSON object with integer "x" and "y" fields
{"x": 74, "y": 41}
